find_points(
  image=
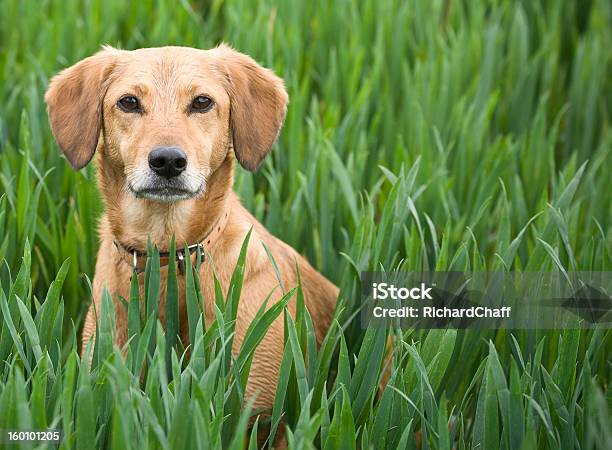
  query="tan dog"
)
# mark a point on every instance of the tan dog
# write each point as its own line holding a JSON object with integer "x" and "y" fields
{"x": 167, "y": 124}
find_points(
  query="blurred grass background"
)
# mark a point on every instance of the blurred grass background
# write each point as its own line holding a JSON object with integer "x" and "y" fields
{"x": 463, "y": 135}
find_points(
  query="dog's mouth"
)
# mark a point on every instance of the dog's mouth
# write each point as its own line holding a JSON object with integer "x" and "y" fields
{"x": 165, "y": 192}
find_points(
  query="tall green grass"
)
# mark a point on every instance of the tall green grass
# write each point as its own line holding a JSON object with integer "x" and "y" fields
{"x": 448, "y": 135}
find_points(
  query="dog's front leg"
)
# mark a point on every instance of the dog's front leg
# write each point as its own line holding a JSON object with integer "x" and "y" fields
{"x": 89, "y": 331}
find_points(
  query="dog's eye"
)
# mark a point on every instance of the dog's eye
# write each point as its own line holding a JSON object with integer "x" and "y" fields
{"x": 129, "y": 103}
{"x": 201, "y": 104}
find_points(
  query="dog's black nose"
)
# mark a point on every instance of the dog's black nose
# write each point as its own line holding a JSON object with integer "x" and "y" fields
{"x": 167, "y": 162}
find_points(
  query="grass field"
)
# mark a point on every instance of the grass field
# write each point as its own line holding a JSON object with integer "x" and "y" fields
{"x": 447, "y": 135}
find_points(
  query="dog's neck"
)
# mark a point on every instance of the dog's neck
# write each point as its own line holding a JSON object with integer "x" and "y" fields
{"x": 133, "y": 220}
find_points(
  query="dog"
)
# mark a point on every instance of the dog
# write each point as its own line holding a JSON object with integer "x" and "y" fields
{"x": 166, "y": 125}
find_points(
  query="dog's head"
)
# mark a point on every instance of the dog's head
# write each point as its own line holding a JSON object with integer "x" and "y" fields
{"x": 167, "y": 116}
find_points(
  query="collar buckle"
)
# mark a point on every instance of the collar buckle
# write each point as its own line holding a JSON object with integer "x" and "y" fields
{"x": 181, "y": 261}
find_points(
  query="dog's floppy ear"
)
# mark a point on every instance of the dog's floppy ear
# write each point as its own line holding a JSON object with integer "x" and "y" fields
{"x": 74, "y": 104}
{"x": 258, "y": 102}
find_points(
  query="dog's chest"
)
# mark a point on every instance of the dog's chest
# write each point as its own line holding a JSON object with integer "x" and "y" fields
{"x": 202, "y": 290}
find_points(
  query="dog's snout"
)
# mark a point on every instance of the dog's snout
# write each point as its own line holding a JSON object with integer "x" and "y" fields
{"x": 167, "y": 162}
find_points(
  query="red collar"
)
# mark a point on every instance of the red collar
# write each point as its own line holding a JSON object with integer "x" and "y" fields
{"x": 137, "y": 259}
